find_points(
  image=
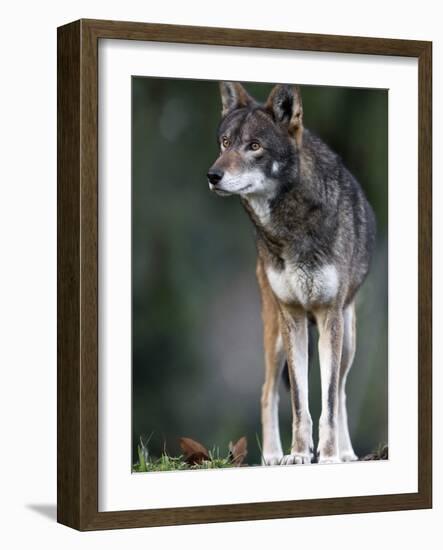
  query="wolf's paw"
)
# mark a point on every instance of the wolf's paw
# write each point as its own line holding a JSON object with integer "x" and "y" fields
{"x": 272, "y": 459}
{"x": 329, "y": 459}
{"x": 348, "y": 456}
{"x": 296, "y": 458}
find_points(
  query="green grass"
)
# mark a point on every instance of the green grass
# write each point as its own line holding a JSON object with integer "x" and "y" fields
{"x": 166, "y": 463}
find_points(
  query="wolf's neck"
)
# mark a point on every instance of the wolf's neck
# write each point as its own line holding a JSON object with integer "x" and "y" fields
{"x": 259, "y": 209}
{"x": 286, "y": 221}
{"x": 269, "y": 212}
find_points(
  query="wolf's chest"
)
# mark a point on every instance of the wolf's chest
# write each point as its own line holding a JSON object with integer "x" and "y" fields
{"x": 296, "y": 284}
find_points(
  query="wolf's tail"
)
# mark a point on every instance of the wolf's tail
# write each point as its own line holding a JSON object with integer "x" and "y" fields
{"x": 311, "y": 350}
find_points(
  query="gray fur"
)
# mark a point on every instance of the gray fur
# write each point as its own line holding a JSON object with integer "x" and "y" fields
{"x": 314, "y": 226}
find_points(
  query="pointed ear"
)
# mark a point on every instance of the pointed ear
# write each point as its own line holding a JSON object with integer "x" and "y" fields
{"x": 284, "y": 102}
{"x": 233, "y": 96}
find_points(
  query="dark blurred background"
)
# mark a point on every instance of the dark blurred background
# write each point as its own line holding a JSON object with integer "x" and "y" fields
{"x": 197, "y": 341}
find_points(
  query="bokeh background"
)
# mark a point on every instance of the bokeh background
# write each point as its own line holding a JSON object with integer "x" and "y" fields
{"x": 197, "y": 340}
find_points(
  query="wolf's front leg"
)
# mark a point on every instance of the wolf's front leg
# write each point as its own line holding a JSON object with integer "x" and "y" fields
{"x": 330, "y": 326}
{"x": 272, "y": 451}
{"x": 295, "y": 338}
{"x": 273, "y": 346}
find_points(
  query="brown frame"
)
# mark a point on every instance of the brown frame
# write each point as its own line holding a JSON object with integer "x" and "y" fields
{"x": 77, "y": 479}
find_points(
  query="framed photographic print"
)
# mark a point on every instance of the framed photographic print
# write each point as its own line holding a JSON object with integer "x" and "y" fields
{"x": 244, "y": 275}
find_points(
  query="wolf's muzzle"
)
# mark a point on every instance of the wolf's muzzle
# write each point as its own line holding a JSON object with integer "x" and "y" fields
{"x": 215, "y": 176}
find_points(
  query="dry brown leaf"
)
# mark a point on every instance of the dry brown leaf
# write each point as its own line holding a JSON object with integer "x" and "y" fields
{"x": 238, "y": 451}
{"x": 195, "y": 452}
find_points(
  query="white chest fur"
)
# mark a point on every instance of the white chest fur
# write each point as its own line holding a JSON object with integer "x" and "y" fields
{"x": 298, "y": 285}
{"x": 260, "y": 207}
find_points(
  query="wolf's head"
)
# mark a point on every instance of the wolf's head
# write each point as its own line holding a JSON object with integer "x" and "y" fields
{"x": 259, "y": 143}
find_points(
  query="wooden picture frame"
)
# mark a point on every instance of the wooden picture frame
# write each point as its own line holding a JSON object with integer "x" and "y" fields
{"x": 77, "y": 457}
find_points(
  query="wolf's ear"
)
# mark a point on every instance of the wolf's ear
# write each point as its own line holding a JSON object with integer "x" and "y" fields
{"x": 233, "y": 96}
{"x": 284, "y": 102}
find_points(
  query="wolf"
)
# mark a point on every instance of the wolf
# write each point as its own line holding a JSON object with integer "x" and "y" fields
{"x": 315, "y": 235}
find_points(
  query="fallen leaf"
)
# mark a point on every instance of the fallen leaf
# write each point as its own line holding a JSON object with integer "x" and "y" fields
{"x": 238, "y": 451}
{"x": 195, "y": 452}
{"x": 382, "y": 453}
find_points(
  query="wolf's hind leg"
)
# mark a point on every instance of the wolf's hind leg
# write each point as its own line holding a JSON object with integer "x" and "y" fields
{"x": 272, "y": 450}
{"x": 349, "y": 344}
{"x": 330, "y": 344}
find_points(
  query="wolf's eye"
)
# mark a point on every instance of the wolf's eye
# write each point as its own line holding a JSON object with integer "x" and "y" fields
{"x": 225, "y": 142}
{"x": 255, "y": 146}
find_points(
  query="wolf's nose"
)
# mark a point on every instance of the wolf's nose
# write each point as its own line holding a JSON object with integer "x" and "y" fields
{"x": 214, "y": 176}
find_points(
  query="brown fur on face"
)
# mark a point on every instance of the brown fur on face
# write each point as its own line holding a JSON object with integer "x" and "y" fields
{"x": 230, "y": 161}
